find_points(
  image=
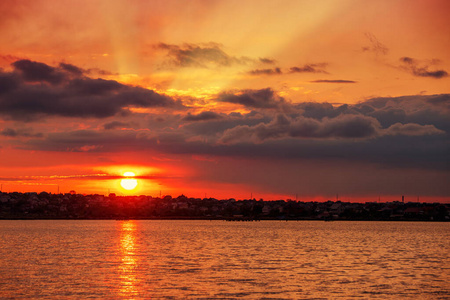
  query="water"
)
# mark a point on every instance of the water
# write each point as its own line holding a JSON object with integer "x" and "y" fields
{"x": 226, "y": 260}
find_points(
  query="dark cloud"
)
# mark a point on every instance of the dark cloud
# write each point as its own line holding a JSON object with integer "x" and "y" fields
{"x": 35, "y": 90}
{"x": 264, "y": 98}
{"x": 408, "y": 60}
{"x": 38, "y": 72}
{"x": 405, "y": 132}
{"x": 8, "y": 82}
{"x": 316, "y": 110}
{"x": 200, "y": 56}
{"x": 416, "y": 115}
{"x": 72, "y": 69}
{"x": 9, "y": 132}
{"x": 274, "y": 71}
{"x": 93, "y": 87}
{"x": 407, "y": 151}
{"x": 428, "y": 152}
{"x": 343, "y": 126}
{"x": 375, "y": 45}
{"x": 413, "y": 66}
{"x": 203, "y": 116}
{"x": 423, "y": 110}
{"x": 413, "y": 129}
{"x": 116, "y": 124}
{"x": 212, "y": 128}
{"x": 267, "y": 61}
{"x": 321, "y": 110}
{"x": 309, "y": 68}
{"x": 333, "y": 81}
{"x": 97, "y": 71}
{"x": 389, "y": 115}
{"x": 397, "y": 132}
{"x": 423, "y": 72}
{"x": 94, "y": 141}
{"x": 442, "y": 101}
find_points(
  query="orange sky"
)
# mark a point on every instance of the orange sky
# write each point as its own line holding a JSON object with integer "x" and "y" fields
{"x": 226, "y": 98}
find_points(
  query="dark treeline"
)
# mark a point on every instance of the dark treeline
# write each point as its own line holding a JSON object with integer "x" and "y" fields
{"x": 75, "y": 206}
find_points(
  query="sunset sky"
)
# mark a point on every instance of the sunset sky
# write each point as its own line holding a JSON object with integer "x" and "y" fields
{"x": 271, "y": 99}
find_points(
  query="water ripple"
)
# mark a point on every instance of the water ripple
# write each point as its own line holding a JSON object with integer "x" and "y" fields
{"x": 207, "y": 260}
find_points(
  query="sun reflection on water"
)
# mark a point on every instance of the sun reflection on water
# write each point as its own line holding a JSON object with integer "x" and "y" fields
{"x": 129, "y": 261}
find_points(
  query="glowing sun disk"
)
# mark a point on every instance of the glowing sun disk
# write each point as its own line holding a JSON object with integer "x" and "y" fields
{"x": 128, "y": 183}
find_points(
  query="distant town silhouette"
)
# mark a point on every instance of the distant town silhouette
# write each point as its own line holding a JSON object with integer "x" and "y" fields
{"x": 76, "y": 206}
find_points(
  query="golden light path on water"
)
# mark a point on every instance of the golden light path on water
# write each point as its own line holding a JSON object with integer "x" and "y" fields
{"x": 129, "y": 262}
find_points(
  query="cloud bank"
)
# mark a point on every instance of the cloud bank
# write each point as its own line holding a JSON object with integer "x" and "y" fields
{"x": 202, "y": 56}
{"x": 421, "y": 70}
{"x": 35, "y": 90}
{"x": 396, "y": 132}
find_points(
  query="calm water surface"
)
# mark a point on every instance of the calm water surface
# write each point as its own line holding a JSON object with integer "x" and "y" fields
{"x": 225, "y": 260}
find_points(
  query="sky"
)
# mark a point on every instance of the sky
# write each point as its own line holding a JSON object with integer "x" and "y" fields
{"x": 305, "y": 100}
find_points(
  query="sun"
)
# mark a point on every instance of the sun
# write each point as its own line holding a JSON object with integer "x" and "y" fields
{"x": 129, "y": 183}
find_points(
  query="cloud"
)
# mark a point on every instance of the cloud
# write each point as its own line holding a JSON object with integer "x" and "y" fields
{"x": 309, "y": 68}
{"x": 72, "y": 69}
{"x": 8, "y": 82}
{"x": 428, "y": 151}
{"x": 424, "y": 110}
{"x": 267, "y": 61}
{"x": 94, "y": 141}
{"x": 203, "y": 116}
{"x": 343, "y": 126}
{"x": 116, "y": 124}
{"x": 38, "y": 72}
{"x": 412, "y": 129}
{"x": 34, "y": 90}
{"x": 274, "y": 71}
{"x": 413, "y": 66}
{"x": 333, "y": 81}
{"x": 214, "y": 127}
{"x": 375, "y": 45}
{"x": 442, "y": 101}
{"x": 415, "y": 115}
{"x": 321, "y": 110}
{"x": 200, "y": 56}
{"x": 263, "y": 98}
{"x": 13, "y": 133}
{"x": 406, "y": 132}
